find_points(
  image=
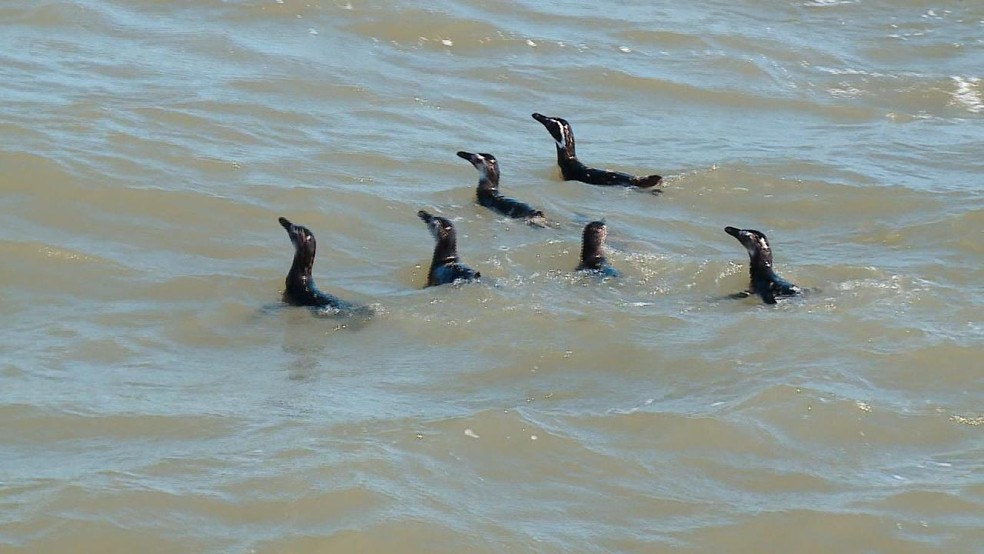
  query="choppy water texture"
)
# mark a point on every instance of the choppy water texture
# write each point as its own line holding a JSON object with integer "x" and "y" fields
{"x": 156, "y": 398}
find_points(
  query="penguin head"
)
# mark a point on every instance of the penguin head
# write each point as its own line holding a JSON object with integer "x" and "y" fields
{"x": 593, "y": 243}
{"x": 486, "y": 164}
{"x": 754, "y": 241}
{"x": 440, "y": 227}
{"x": 559, "y": 129}
{"x": 302, "y": 237}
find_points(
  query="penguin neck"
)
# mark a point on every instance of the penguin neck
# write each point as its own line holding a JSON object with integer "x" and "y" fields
{"x": 760, "y": 262}
{"x": 565, "y": 153}
{"x": 570, "y": 167}
{"x": 299, "y": 276}
{"x": 592, "y": 256}
{"x": 445, "y": 251}
{"x": 488, "y": 180}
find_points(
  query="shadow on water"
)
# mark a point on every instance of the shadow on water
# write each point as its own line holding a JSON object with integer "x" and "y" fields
{"x": 307, "y": 332}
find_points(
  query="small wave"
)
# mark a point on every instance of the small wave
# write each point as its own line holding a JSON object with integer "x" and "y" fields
{"x": 827, "y": 3}
{"x": 968, "y": 93}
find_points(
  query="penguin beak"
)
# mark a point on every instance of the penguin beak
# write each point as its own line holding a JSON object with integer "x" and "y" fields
{"x": 424, "y": 216}
{"x": 285, "y": 223}
{"x": 541, "y": 118}
{"x": 467, "y": 156}
{"x": 733, "y": 232}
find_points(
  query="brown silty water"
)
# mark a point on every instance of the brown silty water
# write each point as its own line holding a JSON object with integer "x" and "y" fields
{"x": 159, "y": 397}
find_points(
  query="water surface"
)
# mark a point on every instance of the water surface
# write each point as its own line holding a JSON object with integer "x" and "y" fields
{"x": 157, "y": 397}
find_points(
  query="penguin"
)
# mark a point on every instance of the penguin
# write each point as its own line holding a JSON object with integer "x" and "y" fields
{"x": 300, "y": 288}
{"x": 488, "y": 191}
{"x": 764, "y": 281}
{"x": 592, "y": 250}
{"x": 445, "y": 267}
{"x": 572, "y": 168}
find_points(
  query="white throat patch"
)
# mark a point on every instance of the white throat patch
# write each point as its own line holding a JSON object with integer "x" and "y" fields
{"x": 564, "y": 138}
{"x": 483, "y": 171}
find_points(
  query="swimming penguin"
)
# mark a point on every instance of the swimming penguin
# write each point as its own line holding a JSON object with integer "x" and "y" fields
{"x": 444, "y": 266}
{"x": 573, "y": 170}
{"x": 592, "y": 250}
{"x": 764, "y": 281}
{"x": 488, "y": 191}
{"x": 300, "y": 289}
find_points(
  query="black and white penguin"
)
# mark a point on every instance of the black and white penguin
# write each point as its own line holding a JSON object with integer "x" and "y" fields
{"x": 489, "y": 195}
{"x": 301, "y": 290}
{"x": 593, "y": 250}
{"x": 445, "y": 267}
{"x": 764, "y": 281}
{"x": 572, "y": 168}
